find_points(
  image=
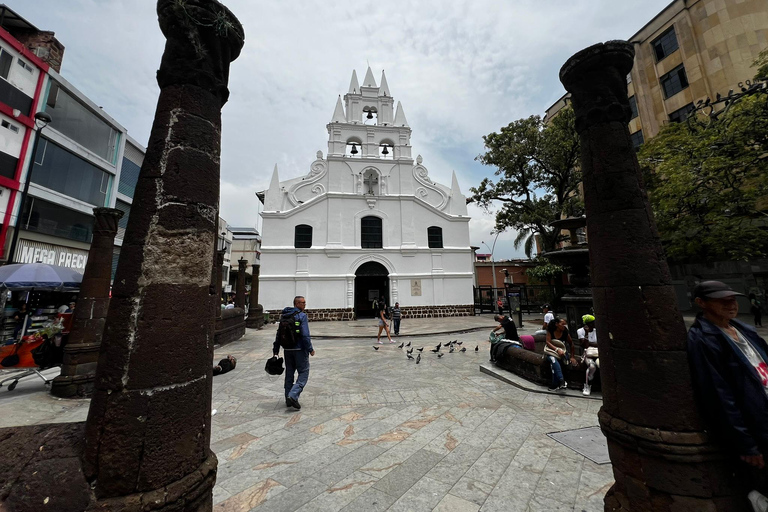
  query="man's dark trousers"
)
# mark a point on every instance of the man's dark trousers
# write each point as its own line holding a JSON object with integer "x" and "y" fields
{"x": 296, "y": 360}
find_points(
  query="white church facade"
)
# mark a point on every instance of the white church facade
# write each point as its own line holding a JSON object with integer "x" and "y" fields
{"x": 366, "y": 221}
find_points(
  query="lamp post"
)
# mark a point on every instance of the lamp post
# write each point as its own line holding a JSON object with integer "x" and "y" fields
{"x": 42, "y": 119}
{"x": 493, "y": 265}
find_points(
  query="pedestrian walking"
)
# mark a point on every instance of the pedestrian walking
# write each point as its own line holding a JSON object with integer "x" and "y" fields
{"x": 756, "y": 309}
{"x": 383, "y": 316}
{"x": 293, "y": 336}
{"x": 396, "y": 315}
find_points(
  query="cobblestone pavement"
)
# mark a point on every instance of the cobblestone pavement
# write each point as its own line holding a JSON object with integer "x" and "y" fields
{"x": 377, "y": 432}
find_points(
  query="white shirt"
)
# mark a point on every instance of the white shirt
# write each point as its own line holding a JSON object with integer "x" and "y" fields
{"x": 754, "y": 358}
{"x": 548, "y": 318}
{"x": 582, "y": 333}
{"x": 63, "y": 309}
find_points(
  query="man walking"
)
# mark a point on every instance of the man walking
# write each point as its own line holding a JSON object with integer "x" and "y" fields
{"x": 293, "y": 336}
{"x": 730, "y": 377}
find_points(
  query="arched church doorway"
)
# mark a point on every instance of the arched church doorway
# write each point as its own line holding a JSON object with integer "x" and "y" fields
{"x": 371, "y": 281}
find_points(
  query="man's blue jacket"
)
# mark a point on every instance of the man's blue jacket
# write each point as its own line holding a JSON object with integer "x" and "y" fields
{"x": 728, "y": 389}
{"x": 305, "y": 343}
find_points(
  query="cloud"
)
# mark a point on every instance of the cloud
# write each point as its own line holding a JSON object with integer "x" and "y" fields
{"x": 461, "y": 70}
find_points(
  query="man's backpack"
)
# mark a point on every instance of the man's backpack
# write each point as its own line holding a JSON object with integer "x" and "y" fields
{"x": 289, "y": 331}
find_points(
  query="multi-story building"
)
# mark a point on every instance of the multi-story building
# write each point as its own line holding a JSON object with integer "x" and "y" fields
{"x": 690, "y": 51}
{"x": 79, "y": 159}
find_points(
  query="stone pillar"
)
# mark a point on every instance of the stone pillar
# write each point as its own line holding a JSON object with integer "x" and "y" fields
{"x": 255, "y": 318}
{"x": 149, "y": 424}
{"x": 662, "y": 458}
{"x": 240, "y": 286}
{"x": 81, "y": 352}
{"x": 219, "y": 277}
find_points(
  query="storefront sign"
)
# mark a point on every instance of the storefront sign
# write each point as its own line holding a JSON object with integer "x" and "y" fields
{"x": 34, "y": 252}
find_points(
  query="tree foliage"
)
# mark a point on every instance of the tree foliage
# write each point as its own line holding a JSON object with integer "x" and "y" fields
{"x": 545, "y": 271}
{"x": 537, "y": 166}
{"x": 761, "y": 63}
{"x": 707, "y": 181}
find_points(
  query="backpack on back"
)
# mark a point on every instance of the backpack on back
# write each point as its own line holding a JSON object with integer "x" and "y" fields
{"x": 288, "y": 331}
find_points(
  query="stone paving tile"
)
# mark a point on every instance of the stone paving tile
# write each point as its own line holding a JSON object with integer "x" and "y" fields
{"x": 250, "y": 498}
{"x": 471, "y": 490}
{"x": 452, "y": 503}
{"x": 292, "y": 498}
{"x": 353, "y": 461}
{"x": 425, "y": 494}
{"x": 399, "y": 480}
{"x": 372, "y": 500}
{"x": 339, "y": 496}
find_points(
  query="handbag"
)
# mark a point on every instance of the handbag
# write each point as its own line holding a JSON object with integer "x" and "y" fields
{"x": 591, "y": 352}
{"x": 559, "y": 344}
{"x": 12, "y": 359}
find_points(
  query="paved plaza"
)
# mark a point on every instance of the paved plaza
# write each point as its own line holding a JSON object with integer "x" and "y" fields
{"x": 378, "y": 432}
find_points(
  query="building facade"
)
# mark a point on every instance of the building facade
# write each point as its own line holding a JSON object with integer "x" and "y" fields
{"x": 366, "y": 221}
{"x": 83, "y": 158}
{"x": 690, "y": 51}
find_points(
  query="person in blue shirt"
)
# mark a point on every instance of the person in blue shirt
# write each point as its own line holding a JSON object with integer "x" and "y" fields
{"x": 729, "y": 370}
{"x": 296, "y": 359}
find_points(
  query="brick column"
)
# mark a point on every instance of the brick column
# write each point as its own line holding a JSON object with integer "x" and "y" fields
{"x": 662, "y": 458}
{"x": 149, "y": 425}
{"x": 240, "y": 286}
{"x": 255, "y": 318}
{"x": 81, "y": 352}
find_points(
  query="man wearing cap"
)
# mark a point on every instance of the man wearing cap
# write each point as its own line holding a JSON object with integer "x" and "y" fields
{"x": 730, "y": 377}
{"x": 548, "y": 316}
{"x": 588, "y": 339}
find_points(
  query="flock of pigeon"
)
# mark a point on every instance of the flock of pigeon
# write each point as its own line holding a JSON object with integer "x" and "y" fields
{"x": 451, "y": 345}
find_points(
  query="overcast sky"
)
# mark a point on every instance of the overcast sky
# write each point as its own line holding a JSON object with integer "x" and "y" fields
{"x": 461, "y": 69}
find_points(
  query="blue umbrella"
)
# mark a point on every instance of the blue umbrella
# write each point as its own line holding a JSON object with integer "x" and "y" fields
{"x": 27, "y": 276}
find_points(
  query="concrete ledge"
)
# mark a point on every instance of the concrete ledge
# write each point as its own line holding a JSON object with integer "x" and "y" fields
{"x": 519, "y": 382}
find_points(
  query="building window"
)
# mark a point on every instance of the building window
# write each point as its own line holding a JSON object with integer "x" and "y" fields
{"x": 637, "y": 139}
{"x": 681, "y": 114}
{"x": 12, "y": 127}
{"x": 59, "y": 170}
{"x": 665, "y": 44}
{"x": 302, "y": 236}
{"x": 633, "y": 107}
{"x": 24, "y": 65}
{"x": 51, "y": 219}
{"x": 129, "y": 176}
{"x": 77, "y": 122}
{"x": 5, "y": 63}
{"x": 370, "y": 233}
{"x": 674, "y": 81}
{"x": 122, "y": 224}
{"x": 435, "y": 237}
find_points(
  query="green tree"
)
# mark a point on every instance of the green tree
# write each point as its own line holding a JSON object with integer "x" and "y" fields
{"x": 761, "y": 63}
{"x": 537, "y": 166}
{"x": 706, "y": 180}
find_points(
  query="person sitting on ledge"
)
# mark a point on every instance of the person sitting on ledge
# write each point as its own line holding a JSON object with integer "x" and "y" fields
{"x": 510, "y": 329}
{"x": 225, "y": 365}
{"x": 555, "y": 350}
{"x": 588, "y": 339}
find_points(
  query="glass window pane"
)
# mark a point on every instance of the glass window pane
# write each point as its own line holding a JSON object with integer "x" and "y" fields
{"x": 371, "y": 233}
{"x": 5, "y": 63}
{"x": 44, "y": 217}
{"x": 58, "y": 169}
{"x": 435, "y": 237}
{"x": 633, "y": 107}
{"x": 637, "y": 139}
{"x": 302, "y": 238}
{"x": 674, "y": 81}
{"x": 681, "y": 114}
{"x": 77, "y": 122}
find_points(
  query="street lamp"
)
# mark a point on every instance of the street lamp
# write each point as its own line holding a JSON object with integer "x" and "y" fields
{"x": 42, "y": 119}
{"x": 493, "y": 265}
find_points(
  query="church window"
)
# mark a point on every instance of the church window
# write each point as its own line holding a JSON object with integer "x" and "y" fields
{"x": 371, "y": 233}
{"x": 371, "y": 182}
{"x": 435, "y": 237}
{"x": 302, "y": 237}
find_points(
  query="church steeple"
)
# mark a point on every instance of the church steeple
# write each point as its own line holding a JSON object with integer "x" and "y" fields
{"x": 369, "y": 81}
{"x": 274, "y": 198}
{"x": 384, "y": 87}
{"x": 354, "y": 86}
{"x": 338, "y": 114}
{"x": 400, "y": 119}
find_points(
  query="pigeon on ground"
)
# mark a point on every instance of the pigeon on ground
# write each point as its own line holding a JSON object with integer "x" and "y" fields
{"x": 409, "y": 356}
{"x": 440, "y": 355}
{"x": 418, "y": 358}
{"x": 435, "y": 350}
{"x": 420, "y": 349}
{"x": 375, "y": 347}
{"x": 410, "y": 351}
{"x": 450, "y": 351}
{"x": 459, "y": 342}
{"x": 463, "y": 349}
{"x": 477, "y": 347}
{"x": 401, "y": 345}
{"x": 409, "y": 344}
{"x": 439, "y": 345}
